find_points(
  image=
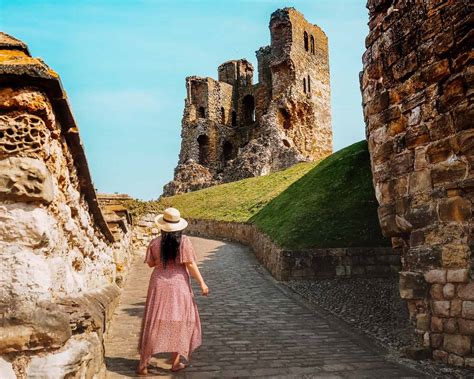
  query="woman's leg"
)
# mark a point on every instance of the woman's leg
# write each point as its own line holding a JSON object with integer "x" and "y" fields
{"x": 143, "y": 366}
{"x": 176, "y": 365}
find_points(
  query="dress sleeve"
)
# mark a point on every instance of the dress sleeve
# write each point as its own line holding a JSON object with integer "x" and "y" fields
{"x": 149, "y": 258}
{"x": 187, "y": 252}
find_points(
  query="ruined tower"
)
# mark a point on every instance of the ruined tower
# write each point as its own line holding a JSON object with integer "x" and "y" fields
{"x": 233, "y": 128}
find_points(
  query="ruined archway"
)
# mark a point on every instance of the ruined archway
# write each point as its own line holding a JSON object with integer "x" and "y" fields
{"x": 202, "y": 112}
{"x": 203, "y": 142}
{"x": 227, "y": 151}
{"x": 284, "y": 118}
{"x": 248, "y": 109}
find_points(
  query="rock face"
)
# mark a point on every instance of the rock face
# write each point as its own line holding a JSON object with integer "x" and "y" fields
{"x": 59, "y": 257}
{"x": 418, "y": 108}
{"x": 233, "y": 129}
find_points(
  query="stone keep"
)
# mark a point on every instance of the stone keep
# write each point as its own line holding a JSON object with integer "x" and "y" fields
{"x": 233, "y": 128}
{"x": 60, "y": 263}
{"x": 418, "y": 109}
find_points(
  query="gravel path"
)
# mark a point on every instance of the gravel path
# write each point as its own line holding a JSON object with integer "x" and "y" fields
{"x": 374, "y": 307}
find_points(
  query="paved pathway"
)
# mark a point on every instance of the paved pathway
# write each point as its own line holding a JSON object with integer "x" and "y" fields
{"x": 252, "y": 326}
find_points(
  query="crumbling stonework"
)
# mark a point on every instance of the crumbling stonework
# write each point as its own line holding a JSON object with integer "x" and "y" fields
{"x": 233, "y": 129}
{"x": 418, "y": 108}
{"x": 59, "y": 259}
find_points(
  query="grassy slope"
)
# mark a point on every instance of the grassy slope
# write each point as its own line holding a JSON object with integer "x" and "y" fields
{"x": 333, "y": 205}
{"x": 330, "y": 204}
{"x": 237, "y": 201}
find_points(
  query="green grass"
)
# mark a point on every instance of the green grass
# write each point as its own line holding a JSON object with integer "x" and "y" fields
{"x": 237, "y": 201}
{"x": 326, "y": 204}
{"x": 333, "y": 205}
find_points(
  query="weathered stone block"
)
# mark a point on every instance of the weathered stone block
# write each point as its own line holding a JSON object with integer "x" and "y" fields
{"x": 436, "y": 340}
{"x": 466, "y": 327}
{"x": 423, "y": 257}
{"x": 436, "y": 71}
{"x": 455, "y": 360}
{"x": 463, "y": 116}
{"x": 441, "y": 308}
{"x": 81, "y": 357}
{"x": 455, "y": 308}
{"x": 457, "y": 276}
{"x": 34, "y": 327}
{"x": 436, "y": 324}
{"x": 440, "y": 355}
{"x": 450, "y": 325}
{"x": 457, "y": 344}
{"x": 468, "y": 309}
{"x": 454, "y": 209}
{"x": 449, "y": 290}
{"x": 412, "y": 285}
{"x": 466, "y": 291}
{"x": 436, "y": 292}
{"x": 435, "y": 276}
{"x": 420, "y": 181}
{"x": 448, "y": 172}
{"x": 405, "y": 66}
{"x": 455, "y": 256}
{"x": 423, "y": 321}
{"x": 25, "y": 179}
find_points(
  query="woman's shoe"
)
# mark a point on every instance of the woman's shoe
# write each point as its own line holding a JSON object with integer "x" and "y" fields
{"x": 142, "y": 372}
{"x": 179, "y": 367}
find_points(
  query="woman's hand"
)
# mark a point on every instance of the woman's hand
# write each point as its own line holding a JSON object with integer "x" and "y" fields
{"x": 204, "y": 289}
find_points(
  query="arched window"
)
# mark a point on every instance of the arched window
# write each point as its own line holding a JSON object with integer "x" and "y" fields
{"x": 227, "y": 151}
{"x": 222, "y": 115}
{"x": 309, "y": 84}
{"x": 312, "y": 45}
{"x": 248, "y": 111}
{"x": 304, "y": 85}
{"x": 202, "y": 112}
{"x": 234, "y": 118}
{"x": 306, "y": 41}
{"x": 203, "y": 142}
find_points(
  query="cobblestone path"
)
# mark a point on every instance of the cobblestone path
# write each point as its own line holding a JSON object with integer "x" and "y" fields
{"x": 252, "y": 326}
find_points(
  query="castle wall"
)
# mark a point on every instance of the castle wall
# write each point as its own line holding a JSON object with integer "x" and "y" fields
{"x": 58, "y": 256}
{"x": 418, "y": 108}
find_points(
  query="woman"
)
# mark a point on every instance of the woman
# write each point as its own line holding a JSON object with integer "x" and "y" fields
{"x": 171, "y": 320}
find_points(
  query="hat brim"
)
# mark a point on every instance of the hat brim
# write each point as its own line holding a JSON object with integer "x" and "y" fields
{"x": 170, "y": 226}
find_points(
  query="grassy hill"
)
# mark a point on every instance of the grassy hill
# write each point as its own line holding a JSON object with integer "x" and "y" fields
{"x": 325, "y": 204}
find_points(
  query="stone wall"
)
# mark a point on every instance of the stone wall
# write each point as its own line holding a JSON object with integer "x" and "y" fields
{"x": 58, "y": 270}
{"x": 234, "y": 129}
{"x": 418, "y": 108}
{"x": 285, "y": 264}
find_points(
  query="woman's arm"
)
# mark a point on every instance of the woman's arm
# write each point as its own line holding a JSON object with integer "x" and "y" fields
{"x": 196, "y": 274}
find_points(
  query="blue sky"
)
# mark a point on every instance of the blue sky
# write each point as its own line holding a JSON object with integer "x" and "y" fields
{"x": 124, "y": 63}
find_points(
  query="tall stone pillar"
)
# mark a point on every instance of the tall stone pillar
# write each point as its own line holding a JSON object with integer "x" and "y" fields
{"x": 417, "y": 98}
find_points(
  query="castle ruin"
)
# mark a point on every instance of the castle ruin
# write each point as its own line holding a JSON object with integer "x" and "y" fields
{"x": 234, "y": 129}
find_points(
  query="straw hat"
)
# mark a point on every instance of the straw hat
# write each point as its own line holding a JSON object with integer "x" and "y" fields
{"x": 171, "y": 221}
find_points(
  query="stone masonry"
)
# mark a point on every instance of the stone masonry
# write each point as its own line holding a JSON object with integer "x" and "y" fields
{"x": 418, "y": 108}
{"x": 233, "y": 129}
{"x": 60, "y": 262}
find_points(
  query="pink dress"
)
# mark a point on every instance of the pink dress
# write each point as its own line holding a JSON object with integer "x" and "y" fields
{"x": 171, "y": 319}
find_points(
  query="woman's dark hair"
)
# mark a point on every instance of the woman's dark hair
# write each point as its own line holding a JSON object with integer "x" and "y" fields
{"x": 170, "y": 242}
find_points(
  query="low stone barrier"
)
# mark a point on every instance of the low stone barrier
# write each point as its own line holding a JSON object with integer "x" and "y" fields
{"x": 286, "y": 264}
